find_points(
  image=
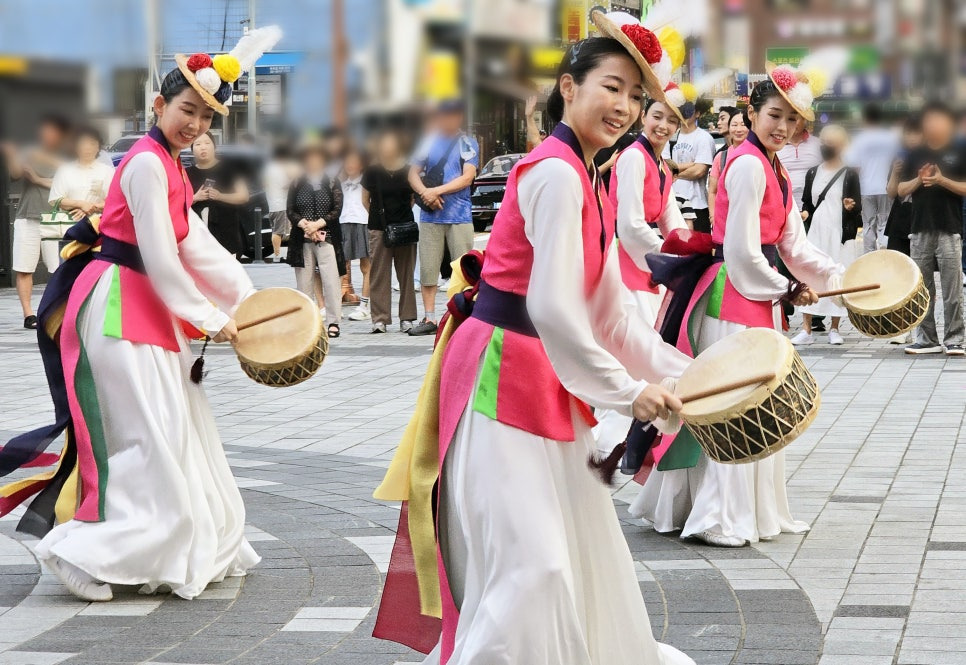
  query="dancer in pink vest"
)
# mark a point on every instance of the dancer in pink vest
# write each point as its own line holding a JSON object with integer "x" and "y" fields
{"x": 536, "y": 567}
{"x": 159, "y": 507}
{"x": 756, "y": 221}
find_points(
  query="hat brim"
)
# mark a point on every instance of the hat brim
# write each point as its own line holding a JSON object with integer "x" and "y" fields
{"x": 806, "y": 113}
{"x": 652, "y": 85}
{"x": 182, "y": 60}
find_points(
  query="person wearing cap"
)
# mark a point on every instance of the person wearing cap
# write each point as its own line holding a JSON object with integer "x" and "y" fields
{"x": 446, "y": 219}
{"x": 537, "y": 569}
{"x": 693, "y": 153}
{"x": 153, "y": 503}
{"x": 756, "y": 222}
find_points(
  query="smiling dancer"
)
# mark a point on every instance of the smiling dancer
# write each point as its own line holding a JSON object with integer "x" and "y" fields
{"x": 158, "y": 504}
{"x": 757, "y": 221}
{"x": 535, "y": 567}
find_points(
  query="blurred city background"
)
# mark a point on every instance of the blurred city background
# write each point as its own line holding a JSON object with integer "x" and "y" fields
{"x": 370, "y": 64}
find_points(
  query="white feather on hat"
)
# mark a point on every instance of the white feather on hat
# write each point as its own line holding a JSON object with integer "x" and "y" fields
{"x": 710, "y": 80}
{"x": 688, "y": 17}
{"x": 254, "y": 44}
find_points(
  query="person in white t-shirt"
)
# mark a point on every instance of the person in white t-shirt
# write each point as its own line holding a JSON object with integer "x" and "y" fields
{"x": 693, "y": 154}
{"x": 355, "y": 227}
{"x": 80, "y": 186}
{"x": 279, "y": 173}
{"x": 872, "y": 153}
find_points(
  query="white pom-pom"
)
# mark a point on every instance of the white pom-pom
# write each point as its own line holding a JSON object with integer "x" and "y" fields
{"x": 208, "y": 79}
{"x": 663, "y": 69}
{"x": 622, "y": 18}
{"x": 675, "y": 97}
{"x": 801, "y": 95}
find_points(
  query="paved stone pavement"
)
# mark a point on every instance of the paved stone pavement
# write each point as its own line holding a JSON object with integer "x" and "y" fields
{"x": 879, "y": 580}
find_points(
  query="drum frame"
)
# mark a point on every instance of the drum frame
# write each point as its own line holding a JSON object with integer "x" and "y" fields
{"x": 889, "y": 322}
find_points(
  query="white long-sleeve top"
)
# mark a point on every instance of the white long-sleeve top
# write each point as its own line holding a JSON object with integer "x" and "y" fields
{"x": 603, "y": 354}
{"x": 196, "y": 279}
{"x": 637, "y": 236}
{"x": 748, "y": 269}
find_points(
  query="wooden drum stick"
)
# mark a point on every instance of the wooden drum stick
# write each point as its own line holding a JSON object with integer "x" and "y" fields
{"x": 268, "y": 317}
{"x": 734, "y": 385}
{"x": 851, "y": 289}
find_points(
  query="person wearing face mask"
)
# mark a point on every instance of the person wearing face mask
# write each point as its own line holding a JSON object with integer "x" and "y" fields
{"x": 144, "y": 495}
{"x": 832, "y": 211}
{"x": 738, "y": 128}
{"x": 731, "y": 505}
{"x": 532, "y": 550}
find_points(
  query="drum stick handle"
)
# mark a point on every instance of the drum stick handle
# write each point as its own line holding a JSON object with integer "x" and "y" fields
{"x": 268, "y": 317}
{"x": 851, "y": 289}
{"x": 728, "y": 387}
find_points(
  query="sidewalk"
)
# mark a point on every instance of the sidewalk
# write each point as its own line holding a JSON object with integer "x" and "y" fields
{"x": 879, "y": 580}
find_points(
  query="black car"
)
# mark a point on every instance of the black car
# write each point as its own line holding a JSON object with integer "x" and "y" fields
{"x": 489, "y": 188}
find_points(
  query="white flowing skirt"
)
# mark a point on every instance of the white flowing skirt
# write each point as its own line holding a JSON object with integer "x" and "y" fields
{"x": 173, "y": 514}
{"x": 744, "y": 500}
{"x": 535, "y": 555}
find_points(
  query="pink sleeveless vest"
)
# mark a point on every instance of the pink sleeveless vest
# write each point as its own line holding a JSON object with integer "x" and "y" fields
{"x": 657, "y": 191}
{"x": 775, "y": 208}
{"x": 528, "y": 394}
{"x": 144, "y": 318}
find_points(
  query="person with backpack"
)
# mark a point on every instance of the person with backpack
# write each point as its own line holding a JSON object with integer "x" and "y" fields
{"x": 832, "y": 211}
{"x": 442, "y": 173}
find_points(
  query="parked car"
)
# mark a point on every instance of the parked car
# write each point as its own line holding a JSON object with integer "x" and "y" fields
{"x": 489, "y": 188}
{"x": 119, "y": 148}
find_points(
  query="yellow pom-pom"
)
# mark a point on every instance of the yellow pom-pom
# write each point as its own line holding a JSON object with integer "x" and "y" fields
{"x": 817, "y": 80}
{"x": 689, "y": 91}
{"x": 227, "y": 66}
{"x": 672, "y": 42}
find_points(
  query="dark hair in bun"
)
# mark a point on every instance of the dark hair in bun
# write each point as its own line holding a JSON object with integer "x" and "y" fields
{"x": 174, "y": 84}
{"x": 579, "y": 60}
{"x": 762, "y": 93}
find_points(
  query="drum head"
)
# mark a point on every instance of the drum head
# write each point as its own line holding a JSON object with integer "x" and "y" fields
{"x": 740, "y": 356}
{"x": 897, "y": 275}
{"x": 282, "y": 339}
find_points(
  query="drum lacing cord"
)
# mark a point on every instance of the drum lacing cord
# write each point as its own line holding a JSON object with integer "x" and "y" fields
{"x": 198, "y": 367}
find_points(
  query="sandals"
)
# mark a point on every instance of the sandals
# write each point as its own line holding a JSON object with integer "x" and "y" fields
{"x": 334, "y": 330}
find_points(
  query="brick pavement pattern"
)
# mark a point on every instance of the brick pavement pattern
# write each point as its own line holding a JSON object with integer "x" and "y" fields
{"x": 879, "y": 580}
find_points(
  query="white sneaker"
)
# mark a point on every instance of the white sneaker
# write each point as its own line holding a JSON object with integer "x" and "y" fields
{"x": 719, "y": 540}
{"x": 78, "y": 582}
{"x": 443, "y": 284}
{"x": 835, "y": 338}
{"x": 803, "y": 339}
{"x": 406, "y": 326}
{"x": 361, "y": 314}
{"x": 901, "y": 339}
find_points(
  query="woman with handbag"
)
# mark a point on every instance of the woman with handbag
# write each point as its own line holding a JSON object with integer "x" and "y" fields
{"x": 832, "y": 210}
{"x": 393, "y": 234}
{"x": 314, "y": 206}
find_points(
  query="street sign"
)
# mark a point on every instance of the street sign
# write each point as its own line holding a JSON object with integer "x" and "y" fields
{"x": 786, "y": 55}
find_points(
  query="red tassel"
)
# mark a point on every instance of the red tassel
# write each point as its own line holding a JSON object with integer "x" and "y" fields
{"x": 607, "y": 467}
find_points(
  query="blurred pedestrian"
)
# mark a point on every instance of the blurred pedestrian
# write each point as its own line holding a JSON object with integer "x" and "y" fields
{"x": 388, "y": 197}
{"x": 80, "y": 186}
{"x": 935, "y": 176}
{"x": 220, "y": 192}
{"x": 335, "y": 143}
{"x": 535, "y": 134}
{"x": 832, "y": 203}
{"x": 36, "y": 166}
{"x": 872, "y": 153}
{"x": 692, "y": 154}
{"x": 355, "y": 231}
{"x": 443, "y": 168}
{"x": 314, "y": 205}
{"x": 277, "y": 177}
{"x": 738, "y": 128}
{"x": 802, "y": 153}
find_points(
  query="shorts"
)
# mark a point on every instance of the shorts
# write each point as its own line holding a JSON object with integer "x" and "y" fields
{"x": 280, "y": 224}
{"x": 433, "y": 238}
{"x": 28, "y": 247}
{"x": 355, "y": 241}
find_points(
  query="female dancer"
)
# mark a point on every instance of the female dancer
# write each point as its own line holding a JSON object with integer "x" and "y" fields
{"x": 731, "y": 505}
{"x": 536, "y": 567}
{"x": 158, "y": 504}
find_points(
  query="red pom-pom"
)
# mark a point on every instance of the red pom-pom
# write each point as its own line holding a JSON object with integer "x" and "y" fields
{"x": 645, "y": 41}
{"x": 784, "y": 77}
{"x": 199, "y": 61}
{"x": 671, "y": 86}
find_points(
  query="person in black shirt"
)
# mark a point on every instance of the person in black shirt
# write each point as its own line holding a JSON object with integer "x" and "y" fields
{"x": 934, "y": 176}
{"x": 220, "y": 191}
{"x": 388, "y": 196}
